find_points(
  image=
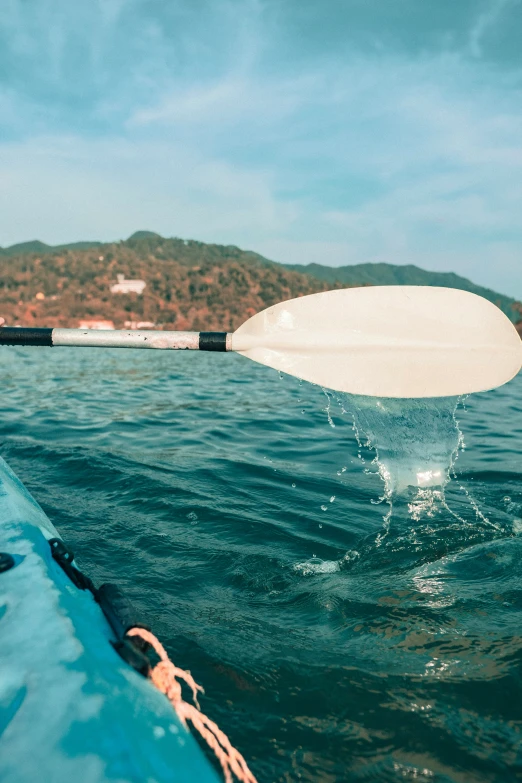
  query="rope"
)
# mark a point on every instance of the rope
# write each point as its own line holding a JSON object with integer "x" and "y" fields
{"x": 166, "y": 677}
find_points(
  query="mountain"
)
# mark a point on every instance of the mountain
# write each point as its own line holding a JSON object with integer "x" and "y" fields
{"x": 189, "y": 284}
{"x": 144, "y": 235}
{"x": 35, "y": 246}
{"x": 391, "y": 274}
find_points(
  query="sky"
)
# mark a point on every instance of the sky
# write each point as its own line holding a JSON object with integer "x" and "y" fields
{"x": 326, "y": 131}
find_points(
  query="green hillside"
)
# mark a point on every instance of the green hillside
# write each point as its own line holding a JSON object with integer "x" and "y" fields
{"x": 392, "y": 274}
{"x": 189, "y": 284}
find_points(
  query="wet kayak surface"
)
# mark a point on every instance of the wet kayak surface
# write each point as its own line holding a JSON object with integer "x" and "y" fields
{"x": 349, "y": 620}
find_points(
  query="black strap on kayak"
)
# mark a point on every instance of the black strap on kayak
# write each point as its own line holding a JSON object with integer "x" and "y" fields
{"x": 65, "y": 557}
{"x": 122, "y": 616}
{"x": 118, "y": 610}
{"x": 7, "y": 562}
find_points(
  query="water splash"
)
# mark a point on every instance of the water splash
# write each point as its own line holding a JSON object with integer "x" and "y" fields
{"x": 416, "y": 442}
{"x": 411, "y": 444}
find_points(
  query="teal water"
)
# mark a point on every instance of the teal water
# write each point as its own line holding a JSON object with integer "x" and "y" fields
{"x": 351, "y": 619}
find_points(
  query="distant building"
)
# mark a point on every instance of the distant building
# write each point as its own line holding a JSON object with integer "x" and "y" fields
{"x": 128, "y": 286}
{"x": 95, "y": 324}
{"x": 139, "y": 325}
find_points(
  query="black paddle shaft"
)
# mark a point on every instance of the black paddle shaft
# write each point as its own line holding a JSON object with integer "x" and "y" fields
{"x": 18, "y": 335}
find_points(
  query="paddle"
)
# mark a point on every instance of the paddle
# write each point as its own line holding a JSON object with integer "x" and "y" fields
{"x": 389, "y": 341}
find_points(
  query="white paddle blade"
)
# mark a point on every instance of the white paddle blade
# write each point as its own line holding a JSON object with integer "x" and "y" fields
{"x": 387, "y": 341}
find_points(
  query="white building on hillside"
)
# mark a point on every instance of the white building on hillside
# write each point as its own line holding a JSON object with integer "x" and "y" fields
{"x": 93, "y": 323}
{"x": 139, "y": 325}
{"x": 128, "y": 286}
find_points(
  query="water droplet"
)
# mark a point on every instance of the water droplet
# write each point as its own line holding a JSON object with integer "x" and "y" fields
{"x": 324, "y": 508}
{"x": 158, "y": 732}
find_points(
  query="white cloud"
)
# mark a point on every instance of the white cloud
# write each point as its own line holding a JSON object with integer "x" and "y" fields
{"x": 65, "y": 188}
{"x": 231, "y": 99}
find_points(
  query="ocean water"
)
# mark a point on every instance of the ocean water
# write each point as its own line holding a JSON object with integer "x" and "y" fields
{"x": 343, "y": 575}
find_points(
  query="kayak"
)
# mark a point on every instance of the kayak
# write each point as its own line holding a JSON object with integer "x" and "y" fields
{"x": 74, "y": 705}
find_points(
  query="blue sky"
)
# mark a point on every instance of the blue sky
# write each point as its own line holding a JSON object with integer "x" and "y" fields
{"x": 329, "y": 131}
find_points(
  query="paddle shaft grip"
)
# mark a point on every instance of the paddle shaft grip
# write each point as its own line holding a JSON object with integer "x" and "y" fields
{"x": 14, "y": 335}
{"x": 116, "y": 338}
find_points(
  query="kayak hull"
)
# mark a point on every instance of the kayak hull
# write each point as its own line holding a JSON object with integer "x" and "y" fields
{"x": 70, "y": 707}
